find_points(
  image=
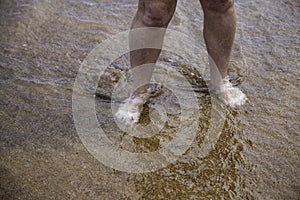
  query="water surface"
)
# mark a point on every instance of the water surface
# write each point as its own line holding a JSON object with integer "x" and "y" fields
{"x": 43, "y": 44}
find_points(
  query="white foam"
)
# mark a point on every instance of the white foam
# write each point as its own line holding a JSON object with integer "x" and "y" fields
{"x": 129, "y": 112}
{"x": 231, "y": 95}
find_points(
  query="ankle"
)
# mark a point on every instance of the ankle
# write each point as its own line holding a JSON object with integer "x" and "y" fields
{"x": 220, "y": 85}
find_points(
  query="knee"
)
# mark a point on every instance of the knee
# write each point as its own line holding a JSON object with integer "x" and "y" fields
{"x": 157, "y": 14}
{"x": 219, "y": 6}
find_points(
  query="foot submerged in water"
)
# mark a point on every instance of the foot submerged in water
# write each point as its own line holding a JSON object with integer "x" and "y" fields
{"x": 129, "y": 112}
{"x": 230, "y": 95}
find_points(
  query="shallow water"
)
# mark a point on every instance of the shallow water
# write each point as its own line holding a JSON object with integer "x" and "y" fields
{"x": 43, "y": 44}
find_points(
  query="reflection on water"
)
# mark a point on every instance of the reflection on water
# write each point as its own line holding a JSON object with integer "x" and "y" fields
{"x": 42, "y": 46}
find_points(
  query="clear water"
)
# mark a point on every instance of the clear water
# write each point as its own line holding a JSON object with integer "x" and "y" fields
{"x": 43, "y": 44}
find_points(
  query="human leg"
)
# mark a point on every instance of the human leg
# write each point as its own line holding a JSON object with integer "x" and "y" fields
{"x": 219, "y": 32}
{"x": 151, "y": 13}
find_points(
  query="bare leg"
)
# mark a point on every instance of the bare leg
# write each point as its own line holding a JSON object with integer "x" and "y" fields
{"x": 151, "y": 13}
{"x": 219, "y": 32}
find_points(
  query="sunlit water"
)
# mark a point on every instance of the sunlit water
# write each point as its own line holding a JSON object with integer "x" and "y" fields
{"x": 43, "y": 44}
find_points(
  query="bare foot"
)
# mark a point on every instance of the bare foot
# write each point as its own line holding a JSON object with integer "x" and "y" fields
{"x": 129, "y": 113}
{"x": 230, "y": 95}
